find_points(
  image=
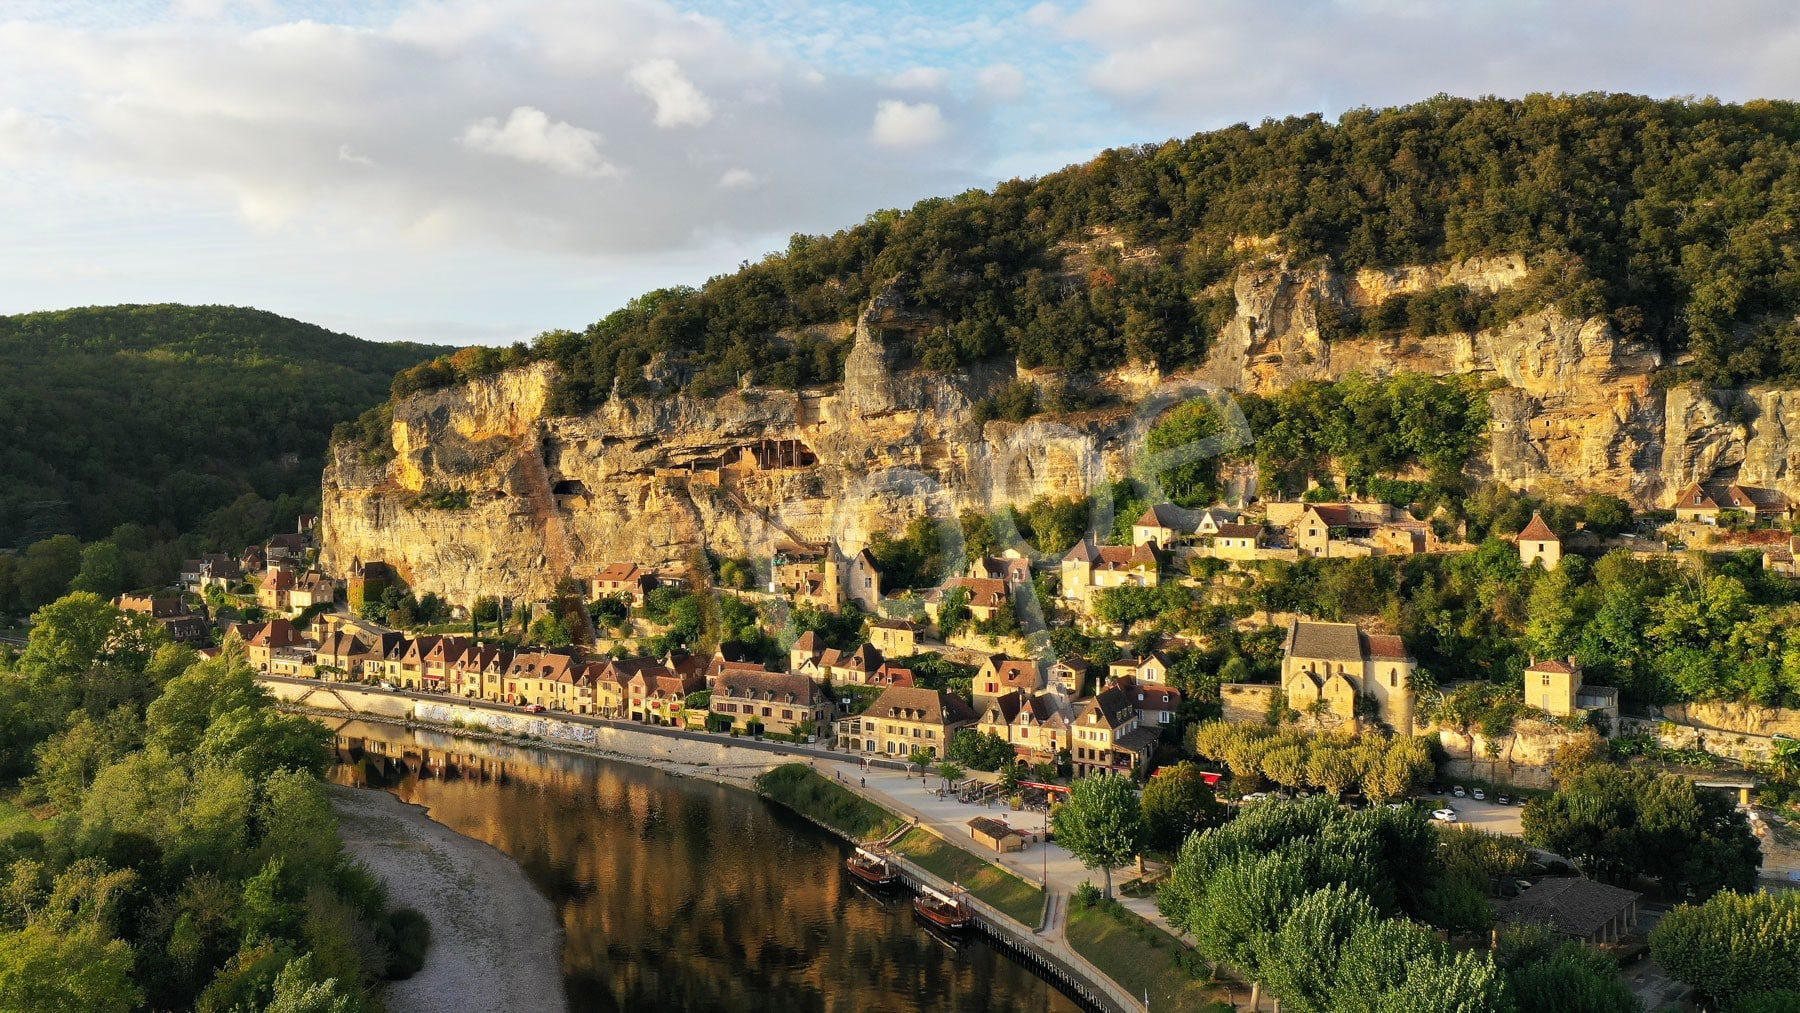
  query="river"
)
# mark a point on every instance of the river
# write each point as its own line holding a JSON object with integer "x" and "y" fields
{"x": 679, "y": 893}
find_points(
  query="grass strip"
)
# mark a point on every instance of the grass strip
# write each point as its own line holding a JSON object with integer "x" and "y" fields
{"x": 1140, "y": 957}
{"x": 985, "y": 880}
{"x": 812, "y": 794}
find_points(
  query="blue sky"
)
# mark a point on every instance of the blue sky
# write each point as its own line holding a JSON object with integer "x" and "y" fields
{"x": 482, "y": 170}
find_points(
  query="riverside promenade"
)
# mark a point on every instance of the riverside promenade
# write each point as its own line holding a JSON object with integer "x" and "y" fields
{"x": 887, "y": 783}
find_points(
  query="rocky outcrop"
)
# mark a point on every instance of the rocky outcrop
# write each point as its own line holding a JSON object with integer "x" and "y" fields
{"x": 653, "y": 478}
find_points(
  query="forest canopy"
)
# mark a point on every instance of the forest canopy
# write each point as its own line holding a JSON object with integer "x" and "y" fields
{"x": 168, "y": 416}
{"x": 1666, "y": 216}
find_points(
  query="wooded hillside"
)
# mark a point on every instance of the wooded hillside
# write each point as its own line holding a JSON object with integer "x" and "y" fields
{"x": 1674, "y": 218}
{"x": 169, "y": 416}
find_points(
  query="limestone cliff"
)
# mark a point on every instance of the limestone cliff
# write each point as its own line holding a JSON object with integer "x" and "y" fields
{"x": 652, "y": 478}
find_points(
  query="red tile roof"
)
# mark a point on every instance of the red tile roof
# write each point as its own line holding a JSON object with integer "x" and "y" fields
{"x": 1537, "y": 530}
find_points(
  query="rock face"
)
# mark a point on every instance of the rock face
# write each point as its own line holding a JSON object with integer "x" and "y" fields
{"x": 654, "y": 478}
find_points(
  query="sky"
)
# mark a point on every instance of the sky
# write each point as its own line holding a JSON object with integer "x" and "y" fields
{"x": 479, "y": 171}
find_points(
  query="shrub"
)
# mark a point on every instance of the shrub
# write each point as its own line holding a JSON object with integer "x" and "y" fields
{"x": 407, "y": 936}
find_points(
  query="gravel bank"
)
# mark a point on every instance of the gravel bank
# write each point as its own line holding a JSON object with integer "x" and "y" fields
{"x": 495, "y": 942}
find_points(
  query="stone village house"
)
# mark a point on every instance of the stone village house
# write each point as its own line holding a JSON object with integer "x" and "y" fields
{"x": 905, "y": 718}
{"x": 1327, "y": 667}
{"x": 773, "y": 701}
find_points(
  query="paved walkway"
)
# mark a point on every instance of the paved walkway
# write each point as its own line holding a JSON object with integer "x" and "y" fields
{"x": 910, "y": 795}
{"x": 914, "y": 796}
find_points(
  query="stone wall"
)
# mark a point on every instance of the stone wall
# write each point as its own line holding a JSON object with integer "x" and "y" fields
{"x": 1247, "y": 701}
{"x": 1521, "y": 758}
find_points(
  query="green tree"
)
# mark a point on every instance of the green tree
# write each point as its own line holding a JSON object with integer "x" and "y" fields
{"x": 46, "y": 971}
{"x": 1733, "y": 946}
{"x": 259, "y": 741}
{"x": 1178, "y": 802}
{"x": 1299, "y": 961}
{"x": 953, "y": 612}
{"x": 1619, "y": 823}
{"x": 296, "y": 991}
{"x": 1286, "y": 764}
{"x": 81, "y": 630}
{"x": 102, "y": 570}
{"x": 70, "y": 760}
{"x": 1184, "y": 448}
{"x": 1377, "y": 960}
{"x": 548, "y": 630}
{"x": 1100, "y": 823}
{"x": 980, "y": 750}
{"x": 43, "y": 574}
{"x": 1332, "y": 766}
{"x": 1548, "y": 973}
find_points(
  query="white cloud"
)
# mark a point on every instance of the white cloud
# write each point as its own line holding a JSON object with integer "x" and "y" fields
{"x": 207, "y": 10}
{"x": 480, "y": 120}
{"x": 1201, "y": 63}
{"x": 908, "y": 125}
{"x": 919, "y": 79}
{"x": 738, "y": 179}
{"x": 1001, "y": 82}
{"x": 530, "y": 135}
{"x": 22, "y": 135}
{"x": 678, "y": 102}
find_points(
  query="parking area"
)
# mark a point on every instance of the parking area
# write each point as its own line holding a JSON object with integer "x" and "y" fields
{"x": 1482, "y": 815}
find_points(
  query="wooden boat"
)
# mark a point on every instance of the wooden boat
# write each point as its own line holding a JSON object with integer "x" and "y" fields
{"x": 871, "y": 868}
{"x": 940, "y": 911}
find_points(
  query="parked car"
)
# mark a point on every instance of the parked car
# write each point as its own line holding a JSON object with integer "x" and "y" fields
{"x": 1459, "y": 792}
{"x": 1479, "y": 795}
{"x": 385, "y": 685}
{"x": 534, "y": 708}
{"x": 1502, "y": 800}
{"x": 1445, "y": 815}
{"x": 1256, "y": 796}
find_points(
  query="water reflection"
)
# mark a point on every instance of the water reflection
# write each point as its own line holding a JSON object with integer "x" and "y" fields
{"x": 676, "y": 893}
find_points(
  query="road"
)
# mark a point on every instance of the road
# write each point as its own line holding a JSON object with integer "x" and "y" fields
{"x": 785, "y": 748}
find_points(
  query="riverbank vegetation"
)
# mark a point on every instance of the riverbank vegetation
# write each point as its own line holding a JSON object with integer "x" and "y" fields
{"x": 811, "y": 794}
{"x": 187, "y": 857}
